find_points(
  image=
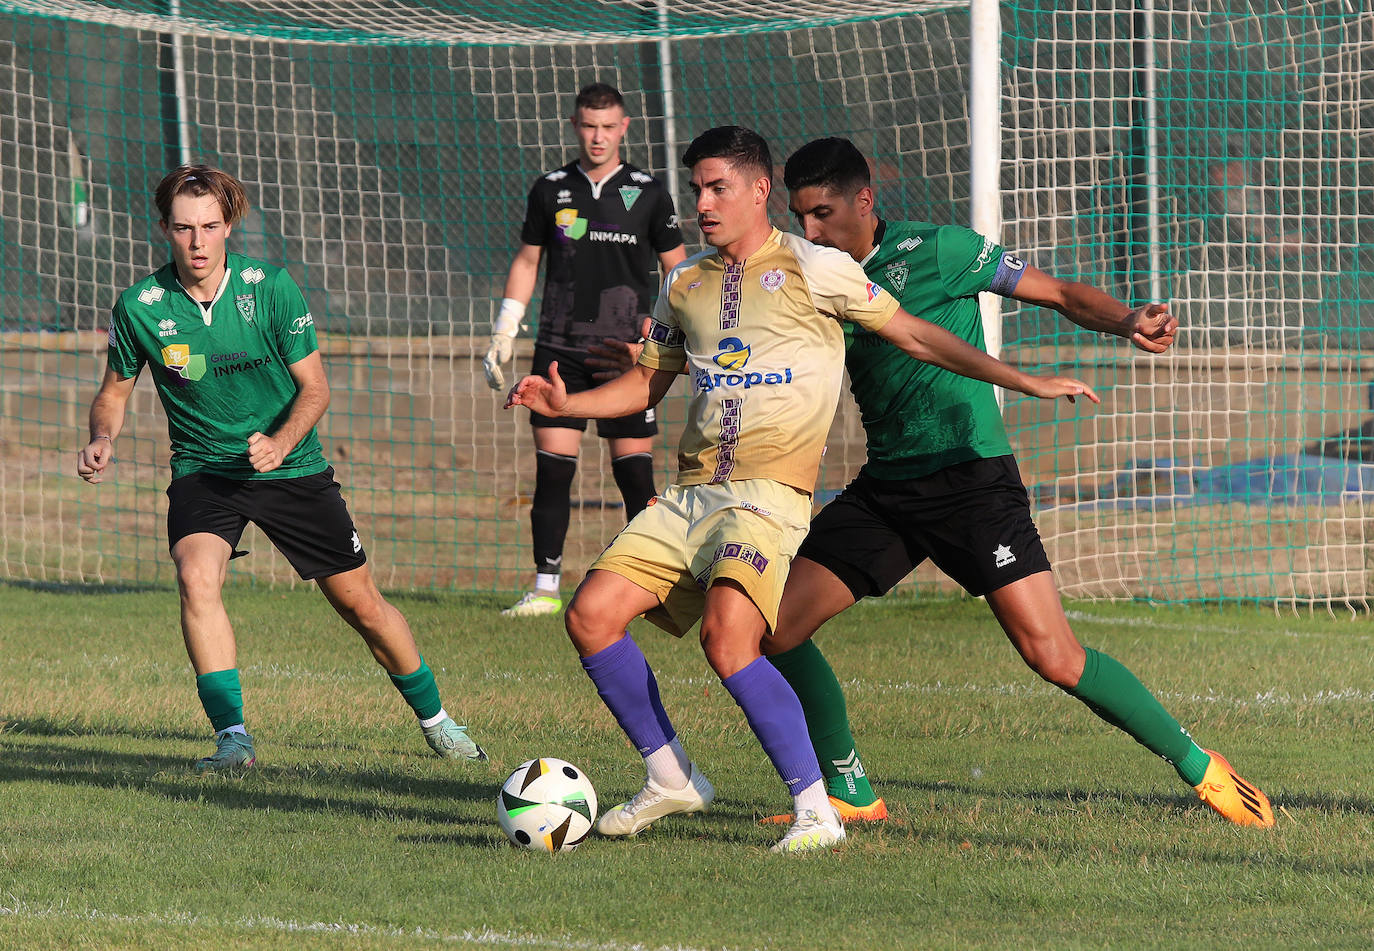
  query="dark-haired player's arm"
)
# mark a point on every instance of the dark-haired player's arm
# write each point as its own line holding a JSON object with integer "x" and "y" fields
{"x": 935, "y": 345}
{"x": 1151, "y": 328}
{"x": 632, "y": 392}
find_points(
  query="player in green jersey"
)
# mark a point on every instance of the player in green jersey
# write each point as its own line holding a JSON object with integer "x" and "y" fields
{"x": 236, "y": 365}
{"x": 941, "y": 483}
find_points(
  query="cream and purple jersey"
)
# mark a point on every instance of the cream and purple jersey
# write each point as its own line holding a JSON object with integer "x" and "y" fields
{"x": 763, "y": 345}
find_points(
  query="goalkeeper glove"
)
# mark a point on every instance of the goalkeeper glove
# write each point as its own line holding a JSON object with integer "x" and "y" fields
{"x": 503, "y": 331}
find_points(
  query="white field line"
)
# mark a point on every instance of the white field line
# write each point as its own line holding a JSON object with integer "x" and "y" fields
{"x": 365, "y": 676}
{"x": 263, "y": 923}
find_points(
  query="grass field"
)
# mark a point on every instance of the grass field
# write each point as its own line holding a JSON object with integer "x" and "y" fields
{"x": 1019, "y": 820}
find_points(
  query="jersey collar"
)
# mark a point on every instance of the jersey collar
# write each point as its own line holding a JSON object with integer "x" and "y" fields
{"x": 205, "y": 312}
{"x": 877, "y": 242}
{"x": 597, "y": 186}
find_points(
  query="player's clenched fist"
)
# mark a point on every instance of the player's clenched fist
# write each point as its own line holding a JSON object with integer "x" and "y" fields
{"x": 91, "y": 461}
{"x": 1153, "y": 327}
{"x": 546, "y": 396}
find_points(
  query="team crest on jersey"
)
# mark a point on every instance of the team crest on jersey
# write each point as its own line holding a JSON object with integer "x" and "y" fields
{"x": 150, "y": 295}
{"x": 897, "y": 274}
{"x": 910, "y": 244}
{"x": 629, "y": 195}
{"x": 660, "y": 333}
{"x": 772, "y": 280}
{"x": 247, "y": 305}
{"x": 252, "y": 275}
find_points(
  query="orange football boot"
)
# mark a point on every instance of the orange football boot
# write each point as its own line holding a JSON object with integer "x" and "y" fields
{"x": 1232, "y": 796}
{"x": 875, "y": 811}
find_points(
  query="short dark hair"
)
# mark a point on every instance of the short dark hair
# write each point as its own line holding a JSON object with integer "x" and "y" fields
{"x": 199, "y": 181}
{"x": 598, "y": 96}
{"x": 834, "y": 164}
{"x": 743, "y": 148}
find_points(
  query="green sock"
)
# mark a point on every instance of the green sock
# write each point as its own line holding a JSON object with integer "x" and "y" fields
{"x": 222, "y": 697}
{"x": 1117, "y": 696}
{"x": 809, "y": 673}
{"x": 419, "y": 690}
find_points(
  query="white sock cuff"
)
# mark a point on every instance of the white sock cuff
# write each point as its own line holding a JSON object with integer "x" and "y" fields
{"x": 439, "y": 717}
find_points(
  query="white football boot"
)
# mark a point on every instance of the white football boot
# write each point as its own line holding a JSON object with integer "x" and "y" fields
{"x": 653, "y": 802}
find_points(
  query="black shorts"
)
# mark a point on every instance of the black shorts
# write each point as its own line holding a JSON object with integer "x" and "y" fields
{"x": 305, "y": 518}
{"x": 577, "y": 376}
{"x": 972, "y": 519}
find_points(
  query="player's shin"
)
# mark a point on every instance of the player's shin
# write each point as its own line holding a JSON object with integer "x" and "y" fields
{"x": 627, "y": 686}
{"x": 1117, "y": 696}
{"x": 827, "y": 721}
{"x": 775, "y": 715}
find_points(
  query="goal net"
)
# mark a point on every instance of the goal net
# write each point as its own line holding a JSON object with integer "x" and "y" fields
{"x": 387, "y": 150}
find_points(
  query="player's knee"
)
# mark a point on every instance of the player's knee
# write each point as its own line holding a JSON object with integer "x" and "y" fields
{"x": 553, "y": 476}
{"x": 725, "y": 652}
{"x": 1056, "y": 662}
{"x": 199, "y": 582}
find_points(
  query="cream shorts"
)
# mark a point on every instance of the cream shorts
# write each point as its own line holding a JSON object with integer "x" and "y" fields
{"x": 691, "y": 536}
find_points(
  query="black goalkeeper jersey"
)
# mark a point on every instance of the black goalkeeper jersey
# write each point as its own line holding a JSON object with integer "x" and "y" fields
{"x": 601, "y": 245}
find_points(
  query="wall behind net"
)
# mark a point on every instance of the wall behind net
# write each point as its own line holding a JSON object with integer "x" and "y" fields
{"x": 388, "y": 163}
{"x": 388, "y": 174}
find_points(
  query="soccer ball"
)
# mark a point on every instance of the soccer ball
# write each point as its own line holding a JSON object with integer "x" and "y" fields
{"x": 547, "y": 805}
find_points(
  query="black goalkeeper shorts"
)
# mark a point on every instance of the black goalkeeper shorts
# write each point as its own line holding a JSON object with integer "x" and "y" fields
{"x": 577, "y": 376}
{"x": 972, "y": 519}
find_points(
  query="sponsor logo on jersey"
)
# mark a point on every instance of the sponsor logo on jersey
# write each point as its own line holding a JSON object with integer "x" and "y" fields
{"x": 733, "y": 357}
{"x": 167, "y": 328}
{"x": 750, "y": 506}
{"x": 564, "y": 196}
{"x": 247, "y": 305}
{"x": 557, "y": 175}
{"x": 672, "y": 222}
{"x": 227, "y": 364}
{"x": 629, "y": 195}
{"x": 252, "y": 275}
{"x": 640, "y": 177}
{"x": 984, "y": 256}
{"x": 910, "y": 244}
{"x": 1003, "y": 556}
{"x": 772, "y": 280}
{"x": 694, "y": 285}
{"x": 734, "y": 354}
{"x": 357, "y": 543}
{"x": 572, "y": 226}
{"x": 183, "y": 366}
{"x": 150, "y": 295}
{"x": 897, "y": 274}
{"x": 873, "y": 290}
{"x": 300, "y": 323}
{"x": 608, "y": 236}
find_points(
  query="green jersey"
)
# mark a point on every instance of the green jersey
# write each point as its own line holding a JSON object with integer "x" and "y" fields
{"x": 220, "y": 371}
{"x": 921, "y": 418}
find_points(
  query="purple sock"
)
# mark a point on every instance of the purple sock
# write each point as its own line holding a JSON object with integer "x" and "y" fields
{"x": 775, "y": 715}
{"x": 629, "y": 690}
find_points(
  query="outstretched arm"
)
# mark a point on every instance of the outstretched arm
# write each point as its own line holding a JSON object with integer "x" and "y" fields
{"x": 1151, "y": 328}
{"x": 931, "y": 344}
{"x": 632, "y": 392}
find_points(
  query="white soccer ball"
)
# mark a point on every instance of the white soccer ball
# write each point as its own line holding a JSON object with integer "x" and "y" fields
{"x": 547, "y": 805}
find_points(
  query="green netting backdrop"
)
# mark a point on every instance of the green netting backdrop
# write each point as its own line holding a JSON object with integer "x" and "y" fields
{"x": 388, "y": 148}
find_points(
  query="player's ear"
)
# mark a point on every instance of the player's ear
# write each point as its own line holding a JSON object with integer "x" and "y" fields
{"x": 763, "y": 187}
{"x": 863, "y": 199}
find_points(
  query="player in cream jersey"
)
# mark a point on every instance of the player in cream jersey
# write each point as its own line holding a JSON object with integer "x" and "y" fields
{"x": 755, "y": 325}
{"x": 762, "y": 344}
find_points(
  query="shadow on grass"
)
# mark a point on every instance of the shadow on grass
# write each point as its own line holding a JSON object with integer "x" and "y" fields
{"x": 44, "y": 727}
{"x": 85, "y": 589}
{"x": 264, "y": 787}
